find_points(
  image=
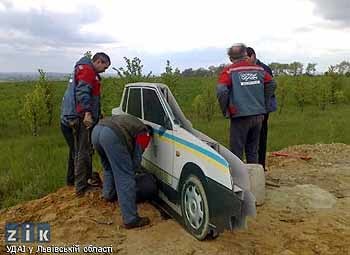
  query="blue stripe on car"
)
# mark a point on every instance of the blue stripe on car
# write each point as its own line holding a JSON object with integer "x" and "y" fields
{"x": 193, "y": 146}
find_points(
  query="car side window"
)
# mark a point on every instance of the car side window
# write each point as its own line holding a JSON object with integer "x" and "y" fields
{"x": 134, "y": 102}
{"x": 152, "y": 108}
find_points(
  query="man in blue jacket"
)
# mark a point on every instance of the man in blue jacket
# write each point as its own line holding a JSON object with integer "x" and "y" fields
{"x": 80, "y": 112}
{"x": 243, "y": 91}
{"x": 272, "y": 107}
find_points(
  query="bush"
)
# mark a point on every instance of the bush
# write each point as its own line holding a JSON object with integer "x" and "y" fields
{"x": 170, "y": 78}
{"x": 34, "y": 111}
{"x": 38, "y": 105}
{"x": 205, "y": 104}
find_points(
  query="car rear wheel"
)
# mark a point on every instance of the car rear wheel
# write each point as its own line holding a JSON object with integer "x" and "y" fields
{"x": 194, "y": 206}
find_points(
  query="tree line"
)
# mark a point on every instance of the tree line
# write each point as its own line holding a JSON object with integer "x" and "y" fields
{"x": 292, "y": 69}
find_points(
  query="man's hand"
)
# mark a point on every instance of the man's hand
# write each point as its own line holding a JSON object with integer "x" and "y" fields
{"x": 88, "y": 120}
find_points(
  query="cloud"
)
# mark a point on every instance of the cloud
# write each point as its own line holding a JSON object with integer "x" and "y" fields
{"x": 333, "y": 10}
{"x": 43, "y": 28}
{"x": 54, "y": 34}
{"x": 38, "y": 37}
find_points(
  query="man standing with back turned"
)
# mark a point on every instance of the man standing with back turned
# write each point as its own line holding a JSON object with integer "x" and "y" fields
{"x": 272, "y": 107}
{"x": 243, "y": 91}
{"x": 80, "y": 112}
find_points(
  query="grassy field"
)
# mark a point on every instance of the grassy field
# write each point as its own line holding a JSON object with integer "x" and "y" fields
{"x": 34, "y": 166}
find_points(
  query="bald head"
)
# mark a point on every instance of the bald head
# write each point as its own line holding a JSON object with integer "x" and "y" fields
{"x": 237, "y": 52}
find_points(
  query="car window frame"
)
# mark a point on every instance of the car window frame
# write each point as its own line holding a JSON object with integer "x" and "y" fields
{"x": 165, "y": 109}
{"x": 125, "y": 99}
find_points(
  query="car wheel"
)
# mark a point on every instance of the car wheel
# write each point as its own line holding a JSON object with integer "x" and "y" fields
{"x": 194, "y": 206}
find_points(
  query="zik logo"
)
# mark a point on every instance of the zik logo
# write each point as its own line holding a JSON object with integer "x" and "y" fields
{"x": 27, "y": 232}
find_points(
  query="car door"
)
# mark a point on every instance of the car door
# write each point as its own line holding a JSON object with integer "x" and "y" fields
{"x": 159, "y": 157}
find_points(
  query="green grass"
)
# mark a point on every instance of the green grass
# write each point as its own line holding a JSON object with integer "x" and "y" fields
{"x": 291, "y": 127}
{"x": 34, "y": 166}
{"x": 31, "y": 166}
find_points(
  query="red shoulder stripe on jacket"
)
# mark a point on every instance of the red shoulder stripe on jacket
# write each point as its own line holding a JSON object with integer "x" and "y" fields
{"x": 245, "y": 68}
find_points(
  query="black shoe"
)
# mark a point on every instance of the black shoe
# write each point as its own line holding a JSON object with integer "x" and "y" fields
{"x": 85, "y": 190}
{"x": 95, "y": 180}
{"x": 110, "y": 200}
{"x": 138, "y": 223}
{"x": 70, "y": 181}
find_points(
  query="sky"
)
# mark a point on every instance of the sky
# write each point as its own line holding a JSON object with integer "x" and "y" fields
{"x": 53, "y": 35}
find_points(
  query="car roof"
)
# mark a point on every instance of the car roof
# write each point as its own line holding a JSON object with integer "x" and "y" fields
{"x": 146, "y": 84}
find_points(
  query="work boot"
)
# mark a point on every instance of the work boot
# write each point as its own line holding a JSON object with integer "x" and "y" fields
{"x": 71, "y": 184}
{"x": 138, "y": 223}
{"x": 95, "y": 180}
{"x": 88, "y": 189}
{"x": 110, "y": 199}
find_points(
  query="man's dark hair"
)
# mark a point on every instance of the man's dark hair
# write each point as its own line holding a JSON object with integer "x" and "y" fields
{"x": 101, "y": 56}
{"x": 250, "y": 51}
{"x": 237, "y": 51}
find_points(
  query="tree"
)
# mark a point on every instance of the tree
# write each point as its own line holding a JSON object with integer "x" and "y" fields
{"x": 88, "y": 54}
{"x": 133, "y": 71}
{"x": 38, "y": 105}
{"x": 212, "y": 70}
{"x": 278, "y": 68}
{"x": 170, "y": 77}
{"x": 311, "y": 68}
{"x": 295, "y": 68}
{"x": 334, "y": 84}
{"x": 203, "y": 72}
{"x": 187, "y": 72}
{"x": 343, "y": 67}
{"x": 48, "y": 94}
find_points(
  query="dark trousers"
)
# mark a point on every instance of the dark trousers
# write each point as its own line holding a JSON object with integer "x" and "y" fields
{"x": 83, "y": 160}
{"x": 244, "y": 136}
{"x": 79, "y": 170}
{"x": 118, "y": 171}
{"x": 263, "y": 141}
{"x": 69, "y": 137}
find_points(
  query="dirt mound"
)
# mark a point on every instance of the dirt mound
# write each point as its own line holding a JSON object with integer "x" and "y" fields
{"x": 276, "y": 230}
{"x": 302, "y": 197}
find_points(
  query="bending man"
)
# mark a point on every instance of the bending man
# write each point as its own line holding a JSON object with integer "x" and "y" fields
{"x": 120, "y": 141}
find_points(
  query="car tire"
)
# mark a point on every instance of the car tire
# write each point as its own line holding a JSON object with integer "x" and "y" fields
{"x": 194, "y": 207}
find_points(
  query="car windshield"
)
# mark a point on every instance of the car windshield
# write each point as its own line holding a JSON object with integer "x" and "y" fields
{"x": 165, "y": 96}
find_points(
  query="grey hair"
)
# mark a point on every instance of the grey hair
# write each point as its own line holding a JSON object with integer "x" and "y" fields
{"x": 237, "y": 51}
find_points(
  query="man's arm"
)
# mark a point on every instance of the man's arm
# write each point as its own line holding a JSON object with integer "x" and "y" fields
{"x": 269, "y": 88}
{"x": 85, "y": 77}
{"x": 223, "y": 91}
{"x": 141, "y": 142}
{"x": 266, "y": 67}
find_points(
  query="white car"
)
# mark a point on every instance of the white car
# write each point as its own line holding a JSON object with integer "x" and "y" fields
{"x": 201, "y": 183}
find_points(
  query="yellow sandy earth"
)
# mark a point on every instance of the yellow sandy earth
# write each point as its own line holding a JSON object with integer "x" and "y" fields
{"x": 290, "y": 222}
